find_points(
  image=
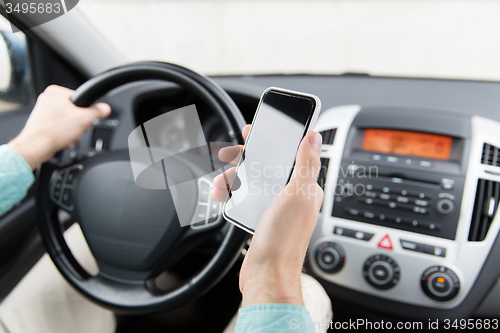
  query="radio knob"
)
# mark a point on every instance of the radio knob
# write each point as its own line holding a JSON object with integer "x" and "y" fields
{"x": 440, "y": 283}
{"x": 381, "y": 271}
{"x": 445, "y": 207}
{"x": 330, "y": 257}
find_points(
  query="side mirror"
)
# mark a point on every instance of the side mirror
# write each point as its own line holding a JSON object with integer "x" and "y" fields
{"x": 14, "y": 69}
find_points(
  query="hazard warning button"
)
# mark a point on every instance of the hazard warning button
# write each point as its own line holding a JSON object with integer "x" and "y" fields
{"x": 385, "y": 243}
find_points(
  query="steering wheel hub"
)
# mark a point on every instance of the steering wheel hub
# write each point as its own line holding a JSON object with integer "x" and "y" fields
{"x": 128, "y": 228}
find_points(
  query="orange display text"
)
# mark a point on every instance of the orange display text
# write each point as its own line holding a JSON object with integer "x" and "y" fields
{"x": 407, "y": 143}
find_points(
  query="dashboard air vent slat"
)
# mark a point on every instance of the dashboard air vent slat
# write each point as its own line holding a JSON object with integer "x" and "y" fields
{"x": 490, "y": 155}
{"x": 322, "y": 172}
{"x": 485, "y": 207}
{"x": 328, "y": 136}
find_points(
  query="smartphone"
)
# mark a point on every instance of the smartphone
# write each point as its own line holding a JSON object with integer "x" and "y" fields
{"x": 282, "y": 119}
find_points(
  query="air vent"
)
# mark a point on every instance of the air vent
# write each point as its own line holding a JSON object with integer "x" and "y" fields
{"x": 322, "y": 173}
{"x": 328, "y": 136}
{"x": 490, "y": 155}
{"x": 485, "y": 207}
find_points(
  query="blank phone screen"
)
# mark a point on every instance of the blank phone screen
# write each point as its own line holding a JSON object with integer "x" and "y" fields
{"x": 268, "y": 158}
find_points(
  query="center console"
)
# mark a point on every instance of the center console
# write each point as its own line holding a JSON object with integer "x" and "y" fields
{"x": 403, "y": 179}
{"x": 410, "y": 203}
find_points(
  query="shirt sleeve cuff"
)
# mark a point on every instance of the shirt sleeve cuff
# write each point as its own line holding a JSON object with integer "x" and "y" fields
{"x": 16, "y": 177}
{"x": 275, "y": 317}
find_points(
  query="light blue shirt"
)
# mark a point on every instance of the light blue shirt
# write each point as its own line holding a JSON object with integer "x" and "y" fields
{"x": 275, "y": 318}
{"x": 16, "y": 178}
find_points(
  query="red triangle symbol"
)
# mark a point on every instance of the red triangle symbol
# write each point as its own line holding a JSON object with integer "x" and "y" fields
{"x": 385, "y": 243}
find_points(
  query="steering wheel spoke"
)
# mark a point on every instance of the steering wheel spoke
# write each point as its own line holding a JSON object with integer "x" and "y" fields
{"x": 208, "y": 212}
{"x": 62, "y": 184}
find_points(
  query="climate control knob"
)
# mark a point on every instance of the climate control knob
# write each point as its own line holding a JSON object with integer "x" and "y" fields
{"x": 440, "y": 283}
{"x": 381, "y": 271}
{"x": 330, "y": 257}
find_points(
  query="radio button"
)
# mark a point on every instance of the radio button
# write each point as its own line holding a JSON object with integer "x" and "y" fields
{"x": 445, "y": 207}
{"x": 425, "y": 164}
{"x": 447, "y": 183}
{"x": 423, "y": 248}
{"x": 384, "y": 196}
{"x": 396, "y": 180}
{"x": 429, "y": 225}
{"x": 435, "y": 226}
{"x": 446, "y": 195}
{"x": 347, "y": 190}
{"x": 419, "y": 210}
{"x": 351, "y": 169}
{"x": 419, "y": 195}
{"x": 351, "y": 233}
{"x": 412, "y": 246}
{"x": 369, "y": 215}
{"x": 392, "y": 159}
{"x": 409, "y": 222}
{"x": 353, "y": 211}
{"x": 402, "y": 199}
{"x": 422, "y": 203}
{"x": 434, "y": 250}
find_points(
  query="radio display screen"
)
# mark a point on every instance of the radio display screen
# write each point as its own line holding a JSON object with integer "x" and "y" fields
{"x": 407, "y": 143}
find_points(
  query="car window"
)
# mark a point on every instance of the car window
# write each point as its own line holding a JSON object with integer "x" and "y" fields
{"x": 413, "y": 38}
{"x": 16, "y": 85}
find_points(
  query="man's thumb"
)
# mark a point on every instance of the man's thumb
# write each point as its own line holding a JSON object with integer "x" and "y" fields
{"x": 307, "y": 163}
{"x": 102, "y": 109}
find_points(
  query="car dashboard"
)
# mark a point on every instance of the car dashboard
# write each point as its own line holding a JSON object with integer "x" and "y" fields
{"x": 410, "y": 201}
{"x": 411, "y": 173}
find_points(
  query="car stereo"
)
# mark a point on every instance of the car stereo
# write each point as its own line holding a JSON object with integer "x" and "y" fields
{"x": 399, "y": 178}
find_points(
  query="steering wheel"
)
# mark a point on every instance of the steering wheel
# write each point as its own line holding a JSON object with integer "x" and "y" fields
{"x": 133, "y": 233}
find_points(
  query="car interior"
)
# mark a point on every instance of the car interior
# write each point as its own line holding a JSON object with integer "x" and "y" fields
{"x": 410, "y": 170}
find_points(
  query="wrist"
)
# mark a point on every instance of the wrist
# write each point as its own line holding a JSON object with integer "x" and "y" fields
{"x": 34, "y": 150}
{"x": 272, "y": 290}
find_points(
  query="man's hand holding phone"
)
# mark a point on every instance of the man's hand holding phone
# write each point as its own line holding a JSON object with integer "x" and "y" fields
{"x": 271, "y": 270}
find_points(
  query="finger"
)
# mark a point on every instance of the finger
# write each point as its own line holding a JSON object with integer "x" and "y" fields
{"x": 230, "y": 154}
{"x": 245, "y": 131}
{"x": 307, "y": 163}
{"x": 224, "y": 180}
{"x": 54, "y": 88}
{"x": 102, "y": 110}
{"x": 219, "y": 195}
